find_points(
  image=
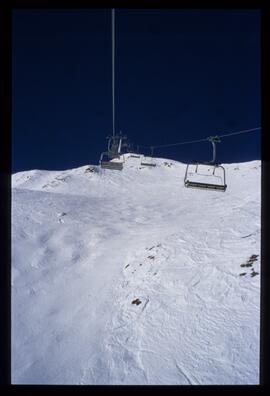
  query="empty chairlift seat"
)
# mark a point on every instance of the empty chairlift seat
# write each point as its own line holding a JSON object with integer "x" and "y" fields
{"x": 148, "y": 161}
{"x": 205, "y": 175}
{"x": 108, "y": 163}
{"x": 113, "y": 157}
{"x": 135, "y": 156}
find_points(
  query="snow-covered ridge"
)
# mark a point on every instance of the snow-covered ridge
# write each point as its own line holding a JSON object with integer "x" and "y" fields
{"x": 128, "y": 277}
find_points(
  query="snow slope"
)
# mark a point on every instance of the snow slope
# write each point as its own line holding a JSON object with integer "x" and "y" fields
{"x": 85, "y": 245}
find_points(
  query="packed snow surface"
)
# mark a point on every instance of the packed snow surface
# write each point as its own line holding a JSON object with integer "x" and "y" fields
{"x": 129, "y": 277}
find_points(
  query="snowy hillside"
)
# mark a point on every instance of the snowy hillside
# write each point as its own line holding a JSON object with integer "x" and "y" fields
{"x": 131, "y": 278}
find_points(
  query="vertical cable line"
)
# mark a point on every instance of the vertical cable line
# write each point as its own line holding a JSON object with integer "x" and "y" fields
{"x": 113, "y": 71}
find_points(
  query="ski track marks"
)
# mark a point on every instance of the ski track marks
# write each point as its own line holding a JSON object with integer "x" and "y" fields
{"x": 86, "y": 245}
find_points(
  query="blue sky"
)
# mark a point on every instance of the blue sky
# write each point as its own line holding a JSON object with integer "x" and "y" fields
{"x": 180, "y": 75}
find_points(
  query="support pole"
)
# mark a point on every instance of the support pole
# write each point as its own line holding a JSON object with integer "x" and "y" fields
{"x": 113, "y": 70}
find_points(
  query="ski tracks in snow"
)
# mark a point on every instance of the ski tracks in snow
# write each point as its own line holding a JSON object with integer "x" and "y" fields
{"x": 150, "y": 343}
{"x": 132, "y": 279}
{"x": 136, "y": 332}
{"x": 125, "y": 330}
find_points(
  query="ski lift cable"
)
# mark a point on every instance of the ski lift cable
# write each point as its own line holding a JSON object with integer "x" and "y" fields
{"x": 205, "y": 139}
{"x": 239, "y": 132}
{"x": 178, "y": 144}
{"x": 113, "y": 103}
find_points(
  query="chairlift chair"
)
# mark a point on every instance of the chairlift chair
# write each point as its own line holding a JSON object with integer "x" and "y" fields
{"x": 108, "y": 163}
{"x": 148, "y": 161}
{"x": 135, "y": 156}
{"x": 206, "y": 175}
{"x": 111, "y": 159}
{"x": 134, "y": 153}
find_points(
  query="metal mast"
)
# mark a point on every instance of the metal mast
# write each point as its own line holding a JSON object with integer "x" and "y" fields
{"x": 113, "y": 72}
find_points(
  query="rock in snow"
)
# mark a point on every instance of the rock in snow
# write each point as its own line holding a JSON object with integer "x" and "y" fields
{"x": 86, "y": 245}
